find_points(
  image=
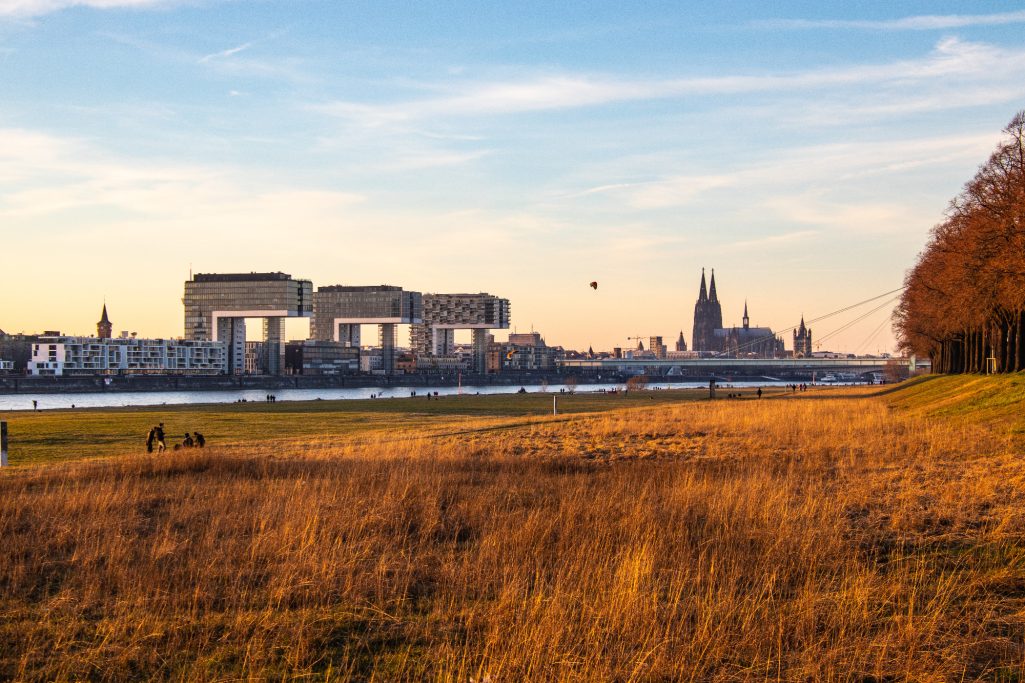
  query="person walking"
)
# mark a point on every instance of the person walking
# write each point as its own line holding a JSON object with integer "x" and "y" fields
{"x": 200, "y": 440}
{"x": 149, "y": 439}
{"x": 159, "y": 435}
{"x": 759, "y": 392}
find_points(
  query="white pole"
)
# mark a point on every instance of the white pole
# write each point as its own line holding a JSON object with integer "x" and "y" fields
{"x": 3, "y": 444}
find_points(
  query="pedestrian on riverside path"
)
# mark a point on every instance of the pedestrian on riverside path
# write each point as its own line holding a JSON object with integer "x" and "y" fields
{"x": 759, "y": 392}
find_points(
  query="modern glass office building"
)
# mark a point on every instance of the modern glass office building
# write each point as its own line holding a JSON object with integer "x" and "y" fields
{"x": 339, "y": 310}
{"x": 218, "y": 304}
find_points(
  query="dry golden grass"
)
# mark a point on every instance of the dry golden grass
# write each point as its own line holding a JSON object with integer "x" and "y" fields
{"x": 830, "y": 539}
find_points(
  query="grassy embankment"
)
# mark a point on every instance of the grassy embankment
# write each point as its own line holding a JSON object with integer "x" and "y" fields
{"x": 828, "y": 536}
{"x": 60, "y": 435}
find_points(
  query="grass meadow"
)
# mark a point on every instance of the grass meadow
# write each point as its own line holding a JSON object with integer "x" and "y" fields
{"x": 838, "y": 535}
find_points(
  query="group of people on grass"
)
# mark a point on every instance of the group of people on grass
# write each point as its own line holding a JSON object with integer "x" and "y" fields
{"x": 157, "y": 439}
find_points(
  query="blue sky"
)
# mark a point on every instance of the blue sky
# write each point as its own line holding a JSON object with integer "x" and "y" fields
{"x": 803, "y": 150}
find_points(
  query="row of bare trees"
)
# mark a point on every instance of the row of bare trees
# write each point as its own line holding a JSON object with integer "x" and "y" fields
{"x": 964, "y": 302}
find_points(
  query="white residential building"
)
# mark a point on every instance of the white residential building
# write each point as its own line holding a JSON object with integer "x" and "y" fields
{"x": 126, "y": 356}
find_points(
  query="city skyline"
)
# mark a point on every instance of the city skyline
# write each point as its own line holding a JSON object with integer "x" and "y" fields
{"x": 803, "y": 150}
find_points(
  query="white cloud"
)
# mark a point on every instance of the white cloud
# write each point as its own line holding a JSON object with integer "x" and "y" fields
{"x": 928, "y": 22}
{"x": 835, "y": 165}
{"x": 950, "y": 61}
{"x": 31, "y": 8}
{"x": 44, "y": 176}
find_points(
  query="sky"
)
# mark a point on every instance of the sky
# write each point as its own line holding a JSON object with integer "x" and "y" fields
{"x": 801, "y": 149}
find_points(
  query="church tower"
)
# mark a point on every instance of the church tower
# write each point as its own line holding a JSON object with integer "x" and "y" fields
{"x": 104, "y": 328}
{"x": 681, "y": 344}
{"x": 802, "y": 341}
{"x": 707, "y": 317}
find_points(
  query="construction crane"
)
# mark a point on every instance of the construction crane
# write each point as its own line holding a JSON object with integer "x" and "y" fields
{"x": 639, "y": 339}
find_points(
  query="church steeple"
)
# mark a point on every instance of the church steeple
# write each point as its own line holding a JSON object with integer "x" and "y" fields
{"x": 747, "y": 321}
{"x": 104, "y": 328}
{"x": 703, "y": 293}
{"x": 711, "y": 289}
{"x": 802, "y": 340}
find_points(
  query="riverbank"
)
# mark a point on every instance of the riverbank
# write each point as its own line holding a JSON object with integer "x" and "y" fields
{"x": 151, "y": 383}
{"x": 836, "y": 534}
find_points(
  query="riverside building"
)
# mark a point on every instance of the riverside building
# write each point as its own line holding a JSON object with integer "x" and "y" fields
{"x": 125, "y": 355}
{"x": 218, "y": 304}
{"x": 340, "y": 310}
{"x": 443, "y": 314}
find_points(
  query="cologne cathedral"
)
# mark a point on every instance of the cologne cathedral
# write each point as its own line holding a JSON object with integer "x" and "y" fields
{"x": 734, "y": 342}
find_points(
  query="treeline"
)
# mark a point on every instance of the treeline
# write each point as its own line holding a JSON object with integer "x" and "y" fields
{"x": 964, "y": 302}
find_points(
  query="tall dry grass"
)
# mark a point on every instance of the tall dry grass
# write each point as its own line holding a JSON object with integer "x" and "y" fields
{"x": 780, "y": 540}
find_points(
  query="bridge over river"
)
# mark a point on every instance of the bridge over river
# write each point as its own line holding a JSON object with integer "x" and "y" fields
{"x": 781, "y": 368}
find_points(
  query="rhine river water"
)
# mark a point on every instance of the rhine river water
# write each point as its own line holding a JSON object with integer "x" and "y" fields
{"x": 116, "y": 399}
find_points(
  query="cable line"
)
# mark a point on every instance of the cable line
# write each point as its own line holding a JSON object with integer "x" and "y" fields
{"x": 760, "y": 340}
{"x": 856, "y": 320}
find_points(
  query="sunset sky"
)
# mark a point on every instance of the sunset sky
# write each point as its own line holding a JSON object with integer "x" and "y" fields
{"x": 801, "y": 149}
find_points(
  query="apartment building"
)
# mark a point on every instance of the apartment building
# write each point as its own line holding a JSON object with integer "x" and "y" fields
{"x": 126, "y": 355}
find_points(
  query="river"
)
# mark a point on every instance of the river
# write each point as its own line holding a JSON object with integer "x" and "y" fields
{"x": 110, "y": 399}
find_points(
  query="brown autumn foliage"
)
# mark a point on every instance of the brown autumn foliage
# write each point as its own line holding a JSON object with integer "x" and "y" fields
{"x": 784, "y": 539}
{"x": 964, "y": 301}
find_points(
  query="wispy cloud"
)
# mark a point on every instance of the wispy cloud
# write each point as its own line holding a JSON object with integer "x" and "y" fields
{"x": 225, "y": 53}
{"x": 950, "y": 59}
{"x": 926, "y": 22}
{"x": 32, "y": 8}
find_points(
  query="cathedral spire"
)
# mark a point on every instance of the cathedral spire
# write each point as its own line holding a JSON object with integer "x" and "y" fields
{"x": 703, "y": 294}
{"x": 711, "y": 289}
{"x": 747, "y": 321}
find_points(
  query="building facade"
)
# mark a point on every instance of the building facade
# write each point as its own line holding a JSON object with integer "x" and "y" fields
{"x": 711, "y": 338}
{"x": 126, "y": 356}
{"x": 803, "y": 340}
{"x": 443, "y": 314}
{"x": 340, "y": 310}
{"x": 707, "y": 318}
{"x": 656, "y": 347}
{"x": 104, "y": 328}
{"x": 316, "y": 357}
{"x": 218, "y": 304}
{"x": 747, "y": 341}
{"x": 523, "y": 353}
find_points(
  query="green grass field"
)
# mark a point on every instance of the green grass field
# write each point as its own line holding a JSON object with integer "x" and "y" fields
{"x": 74, "y": 434}
{"x": 61, "y": 435}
